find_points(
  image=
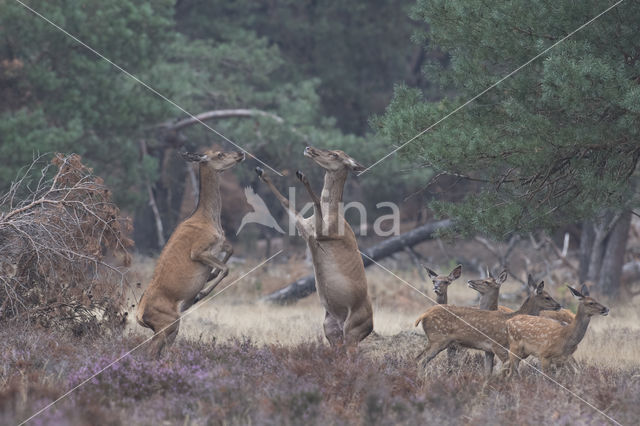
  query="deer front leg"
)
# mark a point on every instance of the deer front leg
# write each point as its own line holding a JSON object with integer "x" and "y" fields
{"x": 227, "y": 248}
{"x": 301, "y": 225}
{"x": 207, "y": 290}
{"x": 314, "y": 197}
{"x": 206, "y": 256}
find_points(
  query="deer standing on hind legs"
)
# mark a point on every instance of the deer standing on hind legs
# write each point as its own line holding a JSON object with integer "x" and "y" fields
{"x": 189, "y": 259}
{"x": 549, "y": 340}
{"x": 337, "y": 263}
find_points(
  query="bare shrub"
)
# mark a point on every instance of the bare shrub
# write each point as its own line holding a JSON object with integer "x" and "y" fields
{"x": 63, "y": 245}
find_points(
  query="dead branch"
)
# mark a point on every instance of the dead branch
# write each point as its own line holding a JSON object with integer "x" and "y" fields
{"x": 58, "y": 229}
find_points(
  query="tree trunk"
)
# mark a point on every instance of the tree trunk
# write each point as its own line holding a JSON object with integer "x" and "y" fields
{"x": 613, "y": 259}
{"x": 602, "y": 246}
{"x": 587, "y": 237}
{"x": 307, "y": 285}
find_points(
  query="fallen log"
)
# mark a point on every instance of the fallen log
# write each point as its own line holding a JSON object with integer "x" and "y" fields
{"x": 307, "y": 285}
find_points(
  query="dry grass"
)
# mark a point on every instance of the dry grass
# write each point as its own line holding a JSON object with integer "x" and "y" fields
{"x": 612, "y": 341}
{"x": 238, "y": 361}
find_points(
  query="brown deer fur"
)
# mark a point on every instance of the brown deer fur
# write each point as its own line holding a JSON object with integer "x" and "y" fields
{"x": 441, "y": 285}
{"x": 188, "y": 260}
{"x": 446, "y": 324}
{"x": 563, "y": 316}
{"x": 548, "y": 340}
{"x": 489, "y": 289}
{"x": 337, "y": 263}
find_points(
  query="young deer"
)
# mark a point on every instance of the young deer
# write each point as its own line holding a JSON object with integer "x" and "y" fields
{"x": 189, "y": 259}
{"x": 564, "y": 316}
{"x": 440, "y": 288}
{"x": 337, "y": 263}
{"x": 446, "y": 324}
{"x": 489, "y": 289}
{"x": 441, "y": 283}
{"x": 548, "y": 340}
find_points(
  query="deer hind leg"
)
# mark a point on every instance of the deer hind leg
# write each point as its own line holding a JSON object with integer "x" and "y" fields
{"x": 359, "y": 324}
{"x": 333, "y": 330}
{"x": 432, "y": 350}
{"x": 488, "y": 363}
{"x": 545, "y": 363}
{"x": 516, "y": 354}
{"x": 452, "y": 356}
{"x": 165, "y": 327}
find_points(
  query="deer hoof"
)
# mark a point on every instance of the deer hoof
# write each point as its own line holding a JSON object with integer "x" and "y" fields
{"x": 259, "y": 172}
{"x": 301, "y": 177}
{"x": 198, "y": 298}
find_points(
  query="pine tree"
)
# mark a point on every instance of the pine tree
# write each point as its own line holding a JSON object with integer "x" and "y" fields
{"x": 555, "y": 143}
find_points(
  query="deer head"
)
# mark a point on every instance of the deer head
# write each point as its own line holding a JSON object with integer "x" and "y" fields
{"x": 489, "y": 284}
{"x": 333, "y": 160}
{"x": 442, "y": 282}
{"x": 591, "y": 306}
{"x": 542, "y": 300}
{"x": 216, "y": 160}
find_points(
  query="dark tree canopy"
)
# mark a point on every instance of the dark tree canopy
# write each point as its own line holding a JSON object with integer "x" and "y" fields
{"x": 558, "y": 141}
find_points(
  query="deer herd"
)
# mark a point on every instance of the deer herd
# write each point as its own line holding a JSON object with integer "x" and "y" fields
{"x": 189, "y": 269}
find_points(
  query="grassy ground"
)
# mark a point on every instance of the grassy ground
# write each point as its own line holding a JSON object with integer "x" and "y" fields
{"x": 239, "y": 362}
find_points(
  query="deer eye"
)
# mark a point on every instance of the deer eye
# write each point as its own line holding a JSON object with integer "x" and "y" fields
{"x": 220, "y": 155}
{"x": 333, "y": 155}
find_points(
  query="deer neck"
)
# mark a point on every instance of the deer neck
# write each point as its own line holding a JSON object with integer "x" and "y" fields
{"x": 209, "y": 204}
{"x": 441, "y": 299}
{"x": 332, "y": 191}
{"x": 489, "y": 300}
{"x": 529, "y": 307}
{"x": 577, "y": 329}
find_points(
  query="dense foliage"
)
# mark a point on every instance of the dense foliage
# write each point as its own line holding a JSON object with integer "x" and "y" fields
{"x": 554, "y": 143}
{"x": 323, "y": 69}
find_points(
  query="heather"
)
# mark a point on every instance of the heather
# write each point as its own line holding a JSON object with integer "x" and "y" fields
{"x": 239, "y": 381}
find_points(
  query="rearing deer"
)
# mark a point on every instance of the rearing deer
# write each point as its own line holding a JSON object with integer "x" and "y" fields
{"x": 189, "y": 259}
{"x": 447, "y": 324}
{"x": 337, "y": 263}
{"x": 549, "y": 340}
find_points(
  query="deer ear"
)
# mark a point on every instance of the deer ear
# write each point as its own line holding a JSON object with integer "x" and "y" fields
{"x": 429, "y": 272}
{"x": 194, "y": 157}
{"x": 540, "y": 287}
{"x": 530, "y": 282}
{"x": 355, "y": 166}
{"x": 584, "y": 290}
{"x": 576, "y": 293}
{"x": 502, "y": 277}
{"x": 455, "y": 274}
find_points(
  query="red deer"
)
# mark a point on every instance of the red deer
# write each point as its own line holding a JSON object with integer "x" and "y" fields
{"x": 337, "y": 263}
{"x": 189, "y": 259}
{"x": 549, "y": 340}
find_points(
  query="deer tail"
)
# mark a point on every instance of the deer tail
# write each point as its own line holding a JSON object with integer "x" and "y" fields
{"x": 419, "y": 320}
